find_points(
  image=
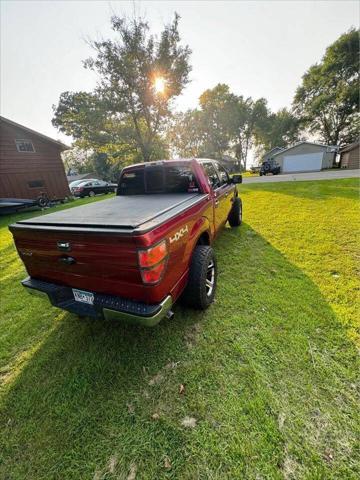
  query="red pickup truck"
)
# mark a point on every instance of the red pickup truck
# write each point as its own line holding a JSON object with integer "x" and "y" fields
{"x": 131, "y": 257}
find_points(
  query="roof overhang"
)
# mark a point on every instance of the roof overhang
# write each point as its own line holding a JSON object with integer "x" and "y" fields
{"x": 61, "y": 145}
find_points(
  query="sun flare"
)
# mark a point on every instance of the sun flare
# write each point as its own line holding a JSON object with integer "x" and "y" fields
{"x": 159, "y": 85}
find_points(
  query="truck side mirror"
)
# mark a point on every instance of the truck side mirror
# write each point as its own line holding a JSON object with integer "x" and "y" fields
{"x": 236, "y": 179}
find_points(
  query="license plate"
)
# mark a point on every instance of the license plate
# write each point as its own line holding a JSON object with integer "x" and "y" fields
{"x": 83, "y": 297}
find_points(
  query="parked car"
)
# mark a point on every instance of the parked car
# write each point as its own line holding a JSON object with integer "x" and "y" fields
{"x": 93, "y": 187}
{"x": 131, "y": 257}
{"x": 75, "y": 183}
{"x": 269, "y": 166}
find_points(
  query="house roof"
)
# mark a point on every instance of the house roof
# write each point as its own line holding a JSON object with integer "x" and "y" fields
{"x": 33, "y": 132}
{"x": 301, "y": 143}
{"x": 350, "y": 147}
{"x": 272, "y": 150}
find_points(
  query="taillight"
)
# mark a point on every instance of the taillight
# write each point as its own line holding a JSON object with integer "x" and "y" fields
{"x": 152, "y": 262}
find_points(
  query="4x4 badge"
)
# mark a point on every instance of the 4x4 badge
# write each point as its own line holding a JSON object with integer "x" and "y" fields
{"x": 179, "y": 234}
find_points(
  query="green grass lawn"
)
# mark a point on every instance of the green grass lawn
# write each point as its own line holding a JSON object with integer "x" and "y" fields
{"x": 269, "y": 373}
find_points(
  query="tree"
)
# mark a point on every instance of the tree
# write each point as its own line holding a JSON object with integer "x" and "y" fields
{"x": 249, "y": 118}
{"x": 279, "y": 129}
{"x": 139, "y": 78}
{"x": 328, "y": 98}
{"x": 224, "y": 123}
{"x": 185, "y": 134}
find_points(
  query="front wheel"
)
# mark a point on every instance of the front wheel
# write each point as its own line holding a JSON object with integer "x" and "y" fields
{"x": 200, "y": 290}
{"x": 235, "y": 215}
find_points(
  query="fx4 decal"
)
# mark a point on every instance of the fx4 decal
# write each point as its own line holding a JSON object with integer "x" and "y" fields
{"x": 179, "y": 234}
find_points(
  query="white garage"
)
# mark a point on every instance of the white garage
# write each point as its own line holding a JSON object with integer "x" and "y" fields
{"x": 305, "y": 157}
{"x": 307, "y": 162}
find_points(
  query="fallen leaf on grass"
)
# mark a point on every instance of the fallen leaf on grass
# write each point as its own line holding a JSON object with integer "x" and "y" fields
{"x": 328, "y": 456}
{"x": 167, "y": 463}
{"x": 189, "y": 422}
{"x": 131, "y": 408}
{"x": 132, "y": 472}
{"x": 112, "y": 464}
{"x": 155, "y": 416}
{"x": 281, "y": 420}
{"x": 156, "y": 379}
{"x": 171, "y": 365}
{"x": 181, "y": 389}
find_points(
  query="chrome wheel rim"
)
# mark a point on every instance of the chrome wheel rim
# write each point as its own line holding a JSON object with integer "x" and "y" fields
{"x": 210, "y": 278}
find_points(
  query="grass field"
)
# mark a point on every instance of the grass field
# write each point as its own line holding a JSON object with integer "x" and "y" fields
{"x": 269, "y": 375}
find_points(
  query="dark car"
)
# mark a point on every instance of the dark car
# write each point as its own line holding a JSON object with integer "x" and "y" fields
{"x": 269, "y": 166}
{"x": 93, "y": 187}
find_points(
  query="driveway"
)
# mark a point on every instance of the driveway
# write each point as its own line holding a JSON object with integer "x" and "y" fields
{"x": 288, "y": 177}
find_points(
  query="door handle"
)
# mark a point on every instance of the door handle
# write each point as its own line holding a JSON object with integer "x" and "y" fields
{"x": 67, "y": 260}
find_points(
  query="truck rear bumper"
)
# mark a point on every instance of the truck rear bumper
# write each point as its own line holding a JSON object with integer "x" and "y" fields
{"x": 109, "y": 307}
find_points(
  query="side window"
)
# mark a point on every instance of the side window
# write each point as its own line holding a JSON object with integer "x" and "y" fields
{"x": 224, "y": 177}
{"x": 24, "y": 146}
{"x": 211, "y": 173}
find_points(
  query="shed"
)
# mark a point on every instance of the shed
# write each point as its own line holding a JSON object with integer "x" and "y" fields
{"x": 350, "y": 156}
{"x": 306, "y": 157}
{"x": 30, "y": 163}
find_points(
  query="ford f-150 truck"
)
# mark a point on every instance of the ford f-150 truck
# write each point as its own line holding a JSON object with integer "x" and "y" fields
{"x": 132, "y": 256}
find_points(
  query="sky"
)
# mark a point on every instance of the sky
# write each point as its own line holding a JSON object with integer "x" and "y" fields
{"x": 258, "y": 48}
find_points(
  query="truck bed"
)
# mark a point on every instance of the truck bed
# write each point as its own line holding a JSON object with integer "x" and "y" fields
{"x": 138, "y": 213}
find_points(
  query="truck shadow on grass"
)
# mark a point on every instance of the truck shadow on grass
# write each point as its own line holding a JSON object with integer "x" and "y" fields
{"x": 267, "y": 378}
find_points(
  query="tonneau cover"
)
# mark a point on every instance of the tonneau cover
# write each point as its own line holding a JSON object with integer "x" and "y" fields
{"x": 141, "y": 212}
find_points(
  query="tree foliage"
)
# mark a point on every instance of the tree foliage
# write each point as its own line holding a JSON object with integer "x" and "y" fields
{"x": 125, "y": 116}
{"x": 328, "y": 98}
{"x": 279, "y": 129}
{"x": 224, "y": 124}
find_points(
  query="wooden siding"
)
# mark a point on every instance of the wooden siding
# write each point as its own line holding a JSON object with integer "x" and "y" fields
{"x": 351, "y": 159}
{"x": 17, "y": 169}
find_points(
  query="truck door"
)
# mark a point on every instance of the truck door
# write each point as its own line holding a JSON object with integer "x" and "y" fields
{"x": 220, "y": 194}
{"x": 224, "y": 194}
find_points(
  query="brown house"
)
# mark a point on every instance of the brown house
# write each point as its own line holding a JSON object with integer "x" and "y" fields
{"x": 30, "y": 163}
{"x": 350, "y": 156}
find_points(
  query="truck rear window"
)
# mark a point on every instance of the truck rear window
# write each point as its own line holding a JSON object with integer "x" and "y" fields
{"x": 158, "y": 179}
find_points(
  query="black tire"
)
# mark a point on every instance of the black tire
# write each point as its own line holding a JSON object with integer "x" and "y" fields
{"x": 43, "y": 201}
{"x": 197, "y": 293}
{"x": 235, "y": 215}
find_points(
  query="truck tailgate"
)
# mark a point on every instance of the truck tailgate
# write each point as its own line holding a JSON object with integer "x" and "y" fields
{"x": 102, "y": 263}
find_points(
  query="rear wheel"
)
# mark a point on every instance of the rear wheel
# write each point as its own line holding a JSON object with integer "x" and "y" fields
{"x": 200, "y": 290}
{"x": 235, "y": 215}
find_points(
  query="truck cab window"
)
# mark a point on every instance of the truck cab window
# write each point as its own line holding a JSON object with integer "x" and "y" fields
{"x": 223, "y": 175}
{"x": 169, "y": 178}
{"x": 211, "y": 173}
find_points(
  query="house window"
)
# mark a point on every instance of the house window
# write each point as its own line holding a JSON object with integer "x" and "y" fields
{"x": 24, "y": 146}
{"x": 36, "y": 183}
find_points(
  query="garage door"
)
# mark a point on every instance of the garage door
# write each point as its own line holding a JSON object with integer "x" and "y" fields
{"x": 303, "y": 163}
